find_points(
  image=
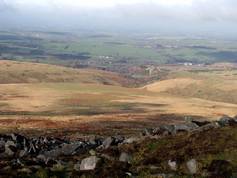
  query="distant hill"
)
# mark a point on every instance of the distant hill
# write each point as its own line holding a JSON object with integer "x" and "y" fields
{"x": 179, "y": 83}
{"x": 26, "y": 72}
{"x": 210, "y": 85}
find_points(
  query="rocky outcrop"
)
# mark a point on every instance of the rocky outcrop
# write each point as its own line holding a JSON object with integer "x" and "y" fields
{"x": 27, "y": 155}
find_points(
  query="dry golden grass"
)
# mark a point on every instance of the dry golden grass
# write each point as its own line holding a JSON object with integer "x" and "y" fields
{"x": 49, "y": 96}
{"x": 218, "y": 85}
{"x": 185, "y": 106}
{"x": 26, "y": 72}
{"x": 165, "y": 85}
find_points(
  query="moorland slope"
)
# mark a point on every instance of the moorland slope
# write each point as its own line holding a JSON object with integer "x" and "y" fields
{"x": 27, "y": 72}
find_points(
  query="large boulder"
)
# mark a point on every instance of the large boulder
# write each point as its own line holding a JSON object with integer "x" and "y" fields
{"x": 89, "y": 163}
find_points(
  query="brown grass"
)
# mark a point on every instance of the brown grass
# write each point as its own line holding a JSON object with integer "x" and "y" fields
{"x": 82, "y": 97}
{"x": 26, "y": 72}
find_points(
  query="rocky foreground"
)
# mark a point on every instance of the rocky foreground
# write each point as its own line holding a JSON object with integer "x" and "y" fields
{"x": 196, "y": 149}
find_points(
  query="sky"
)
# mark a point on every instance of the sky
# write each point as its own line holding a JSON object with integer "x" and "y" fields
{"x": 195, "y": 17}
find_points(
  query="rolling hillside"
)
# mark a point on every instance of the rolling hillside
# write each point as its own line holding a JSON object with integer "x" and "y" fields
{"x": 25, "y": 72}
{"x": 42, "y": 96}
{"x": 218, "y": 86}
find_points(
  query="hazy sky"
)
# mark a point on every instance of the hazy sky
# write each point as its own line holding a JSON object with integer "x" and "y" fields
{"x": 92, "y": 3}
{"x": 171, "y": 16}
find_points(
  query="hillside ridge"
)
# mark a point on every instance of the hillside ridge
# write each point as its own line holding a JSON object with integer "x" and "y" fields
{"x": 28, "y": 72}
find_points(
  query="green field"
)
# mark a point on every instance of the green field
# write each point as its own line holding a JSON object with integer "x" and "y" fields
{"x": 104, "y": 50}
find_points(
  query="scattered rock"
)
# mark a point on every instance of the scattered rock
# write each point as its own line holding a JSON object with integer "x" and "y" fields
{"x": 105, "y": 156}
{"x": 125, "y": 157}
{"x": 163, "y": 175}
{"x": 43, "y": 158}
{"x": 22, "y": 153}
{"x": 153, "y": 168}
{"x": 226, "y": 120}
{"x": 70, "y": 149}
{"x": 131, "y": 140}
{"x": 58, "y": 167}
{"x": 77, "y": 166}
{"x": 185, "y": 127}
{"x": 147, "y": 132}
{"x": 7, "y": 168}
{"x": 200, "y": 123}
{"x": 2, "y": 146}
{"x": 170, "y": 129}
{"x": 18, "y": 138}
{"x": 64, "y": 149}
{"x": 172, "y": 165}
{"x": 95, "y": 141}
{"x": 192, "y": 166}
{"x": 129, "y": 174}
{"x": 107, "y": 142}
{"x": 25, "y": 170}
{"x": 10, "y": 148}
{"x": 213, "y": 125}
{"x": 92, "y": 152}
{"x": 118, "y": 139}
{"x": 164, "y": 130}
{"x": 89, "y": 163}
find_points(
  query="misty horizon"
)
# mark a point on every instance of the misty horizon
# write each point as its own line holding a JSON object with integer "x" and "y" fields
{"x": 185, "y": 17}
